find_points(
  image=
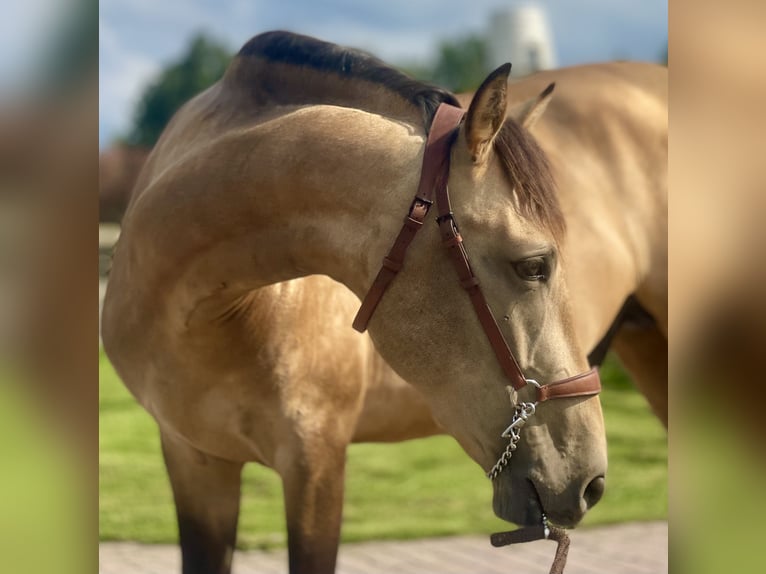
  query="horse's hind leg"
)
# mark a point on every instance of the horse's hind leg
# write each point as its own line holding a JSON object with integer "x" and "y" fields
{"x": 206, "y": 490}
{"x": 313, "y": 491}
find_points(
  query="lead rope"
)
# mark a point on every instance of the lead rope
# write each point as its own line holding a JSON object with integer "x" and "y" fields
{"x": 521, "y": 412}
{"x": 532, "y": 533}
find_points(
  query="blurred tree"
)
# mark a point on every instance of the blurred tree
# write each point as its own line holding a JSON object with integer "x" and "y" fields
{"x": 71, "y": 57}
{"x": 202, "y": 65}
{"x": 461, "y": 65}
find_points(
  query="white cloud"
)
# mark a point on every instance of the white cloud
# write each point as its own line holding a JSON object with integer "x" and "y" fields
{"x": 123, "y": 74}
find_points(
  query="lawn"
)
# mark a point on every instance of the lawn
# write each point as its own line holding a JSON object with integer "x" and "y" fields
{"x": 419, "y": 488}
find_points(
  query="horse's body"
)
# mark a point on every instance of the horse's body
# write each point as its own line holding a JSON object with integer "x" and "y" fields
{"x": 236, "y": 366}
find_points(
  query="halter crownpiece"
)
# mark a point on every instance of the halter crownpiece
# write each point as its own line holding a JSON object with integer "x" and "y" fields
{"x": 433, "y": 174}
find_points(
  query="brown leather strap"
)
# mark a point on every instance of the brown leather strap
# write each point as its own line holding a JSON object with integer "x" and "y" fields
{"x": 436, "y": 158}
{"x": 582, "y": 385}
{"x": 452, "y": 240}
{"x": 433, "y": 175}
{"x": 532, "y": 533}
{"x": 392, "y": 263}
{"x": 518, "y": 536}
{"x": 433, "y": 182}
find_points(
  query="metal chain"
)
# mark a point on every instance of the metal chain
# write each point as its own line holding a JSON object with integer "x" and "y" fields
{"x": 522, "y": 412}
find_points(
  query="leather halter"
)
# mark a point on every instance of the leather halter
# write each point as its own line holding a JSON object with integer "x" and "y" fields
{"x": 433, "y": 183}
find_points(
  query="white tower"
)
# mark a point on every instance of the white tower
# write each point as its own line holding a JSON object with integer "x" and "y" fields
{"x": 521, "y": 36}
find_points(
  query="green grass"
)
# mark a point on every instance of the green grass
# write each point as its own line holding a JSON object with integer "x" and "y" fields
{"x": 42, "y": 488}
{"x": 419, "y": 488}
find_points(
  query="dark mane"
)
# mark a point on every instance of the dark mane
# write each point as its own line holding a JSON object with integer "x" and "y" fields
{"x": 297, "y": 50}
{"x": 529, "y": 172}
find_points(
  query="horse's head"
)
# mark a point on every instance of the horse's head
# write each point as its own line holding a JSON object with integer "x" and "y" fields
{"x": 504, "y": 203}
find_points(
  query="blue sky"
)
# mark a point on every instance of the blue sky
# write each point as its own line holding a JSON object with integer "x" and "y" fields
{"x": 26, "y": 32}
{"x": 138, "y": 37}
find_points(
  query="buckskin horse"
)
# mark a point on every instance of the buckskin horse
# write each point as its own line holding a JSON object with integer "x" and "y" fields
{"x": 258, "y": 180}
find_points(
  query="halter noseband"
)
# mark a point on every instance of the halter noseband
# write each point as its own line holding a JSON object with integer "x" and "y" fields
{"x": 433, "y": 184}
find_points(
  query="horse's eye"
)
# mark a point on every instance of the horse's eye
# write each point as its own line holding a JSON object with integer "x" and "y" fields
{"x": 533, "y": 269}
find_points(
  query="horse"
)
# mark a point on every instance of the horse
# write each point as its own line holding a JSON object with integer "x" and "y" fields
{"x": 182, "y": 323}
{"x": 640, "y": 335}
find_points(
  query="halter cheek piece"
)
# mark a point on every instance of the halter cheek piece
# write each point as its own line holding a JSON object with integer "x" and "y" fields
{"x": 433, "y": 182}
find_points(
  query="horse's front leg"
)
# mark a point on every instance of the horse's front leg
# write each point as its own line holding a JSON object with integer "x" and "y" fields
{"x": 206, "y": 491}
{"x": 643, "y": 351}
{"x": 313, "y": 479}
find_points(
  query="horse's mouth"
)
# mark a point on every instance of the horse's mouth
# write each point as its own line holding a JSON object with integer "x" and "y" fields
{"x": 535, "y": 509}
{"x": 539, "y": 514}
{"x": 529, "y": 508}
{"x": 518, "y": 503}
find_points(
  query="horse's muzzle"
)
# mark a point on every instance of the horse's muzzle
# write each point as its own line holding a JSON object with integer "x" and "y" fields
{"x": 523, "y": 502}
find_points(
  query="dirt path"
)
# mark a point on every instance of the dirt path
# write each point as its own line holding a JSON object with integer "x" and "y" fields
{"x": 632, "y": 548}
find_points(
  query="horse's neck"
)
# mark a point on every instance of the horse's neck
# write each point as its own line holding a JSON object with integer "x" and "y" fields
{"x": 321, "y": 190}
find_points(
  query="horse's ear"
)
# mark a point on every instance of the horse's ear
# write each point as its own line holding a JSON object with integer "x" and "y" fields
{"x": 487, "y": 113}
{"x": 530, "y": 111}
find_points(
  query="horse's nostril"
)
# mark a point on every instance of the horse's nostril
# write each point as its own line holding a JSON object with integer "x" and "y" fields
{"x": 594, "y": 491}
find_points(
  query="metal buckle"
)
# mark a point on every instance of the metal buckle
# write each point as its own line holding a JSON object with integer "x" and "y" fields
{"x": 523, "y": 412}
{"x": 452, "y": 233}
{"x": 420, "y": 202}
{"x": 533, "y": 383}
